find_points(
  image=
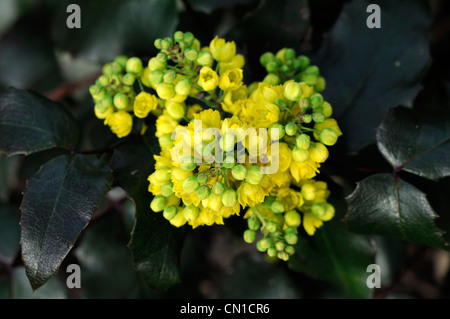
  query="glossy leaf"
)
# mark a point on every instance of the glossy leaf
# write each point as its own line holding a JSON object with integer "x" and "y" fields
{"x": 368, "y": 70}
{"x": 384, "y": 205}
{"x": 155, "y": 244}
{"x": 30, "y": 123}
{"x": 56, "y": 207}
{"x": 416, "y": 143}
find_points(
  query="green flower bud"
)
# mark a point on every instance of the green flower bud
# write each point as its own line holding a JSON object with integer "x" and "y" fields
{"x": 285, "y": 68}
{"x": 327, "y": 110}
{"x": 190, "y": 184}
{"x": 276, "y": 131}
{"x": 155, "y": 64}
{"x": 104, "y": 80}
{"x": 202, "y": 178}
{"x": 165, "y": 91}
{"x": 290, "y": 250}
{"x": 94, "y": 89}
{"x": 312, "y": 70}
{"x": 116, "y": 68}
{"x": 204, "y": 58}
{"x": 121, "y": 101}
{"x": 320, "y": 84}
{"x": 291, "y": 129}
{"x": 263, "y": 244}
{"x": 309, "y": 79}
{"x": 328, "y": 136}
{"x": 167, "y": 190}
{"x": 170, "y": 76}
{"x": 178, "y": 36}
{"x": 227, "y": 142}
{"x": 289, "y": 54}
{"x": 203, "y": 192}
{"x": 304, "y": 103}
{"x": 229, "y": 198}
{"x": 271, "y": 67}
{"x": 218, "y": 188}
{"x": 254, "y": 175}
{"x": 277, "y": 207}
{"x": 190, "y": 213}
{"x": 170, "y": 212}
{"x": 191, "y": 54}
{"x": 166, "y": 43}
{"x": 303, "y": 141}
{"x": 299, "y": 155}
{"x": 183, "y": 87}
{"x": 188, "y": 39}
{"x": 187, "y": 163}
{"x": 100, "y": 95}
{"x": 157, "y": 43}
{"x": 308, "y": 192}
{"x": 271, "y": 79}
{"x": 272, "y": 252}
{"x": 318, "y": 210}
{"x": 292, "y": 218}
{"x": 290, "y": 230}
{"x": 239, "y": 172}
{"x": 156, "y": 77}
{"x": 107, "y": 101}
{"x": 229, "y": 162}
{"x": 271, "y": 226}
{"x": 329, "y": 212}
{"x": 291, "y": 238}
{"x": 318, "y": 117}
{"x": 253, "y": 223}
{"x": 301, "y": 62}
{"x": 134, "y": 66}
{"x": 249, "y": 236}
{"x": 307, "y": 118}
{"x": 293, "y": 91}
{"x": 107, "y": 69}
{"x": 128, "y": 79}
{"x": 158, "y": 203}
{"x": 316, "y": 100}
{"x": 268, "y": 202}
{"x": 279, "y": 245}
{"x": 318, "y": 152}
{"x": 266, "y": 58}
{"x": 283, "y": 255}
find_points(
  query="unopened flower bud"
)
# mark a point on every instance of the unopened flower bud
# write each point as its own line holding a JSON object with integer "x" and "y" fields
{"x": 128, "y": 79}
{"x": 279, "y": 245}
{"x": 290, "y": 250}
{"x": 188, "y": 39}
{"x": 253, "y": 223}
{"x": 312, "y": 70}
{"x": 155, "y": 64}
{"x": 183, "y": 87}
{"x": 266, "y": 58}
{"x": 121, "y": 101}
{"x": 229, "y": 198}
{"x": 327, "y": 110}
{"x": 169, "y": 76}
{"x": 292, "y": 218}
{"x": 316, "y": 100}
{"x": 170, "y": 212}
{"x": 301, "y": 62}
{"x": 178, "y": 36}
{"x": 318, "y": 152}
{"x": 239, "y": 172}
{"x": 303, "y": 141}
{"x": 203, "y": 192}
{"x": 249, "y": 236}
{"x": 134, "y": 66}
{"x": 271, "y": 227}
{"x": 328, "y": 136}
{"x": 277, "y": 207}
{"x": 156, "y": 77}
{"x": 308, "y": 192}
{"x": 307, "y": 118}
{"x": 158, "y": 203}
{"x": 190, "y": 213}
{"x": 318, "y": 210}
{"x": 187, "y": 163}
{"x": 190, "y": 184}
{"x": 271, "y": 67}
{"x": 292, "y": 91}
{"x": 271, "y": 79}
{"x": 175, "y": 110}
{"x": 227, "y": 142}
{"x": 276, "y": 131}
{"x": 204, "y": 58}
{"x": 318, "y": 117}
{"x": 320, "y": 84}
{"x": 263, "y": 244}
{"x": 329, "y": 212}
{"x": 191, "y": 54}
{"x": 165, "y": 91}
{"x": 254, "y": 175}
{"x": 167, "y": 190}
{"x": 291, "y": 129}
{"x": 229, "y": 162}
{"x": 218, "y": 188}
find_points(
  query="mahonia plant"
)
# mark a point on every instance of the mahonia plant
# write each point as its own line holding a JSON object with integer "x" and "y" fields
{"x": 225, "y": 146}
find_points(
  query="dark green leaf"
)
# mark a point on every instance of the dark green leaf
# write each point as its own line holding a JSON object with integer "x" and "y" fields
{"x": 105, "y": 262}
{"x": 31, "y": 123}
{"x": 370, "y": 70}
{"x": 109, "y": 28}
{"x": 56, "y": 207}
{"x": 208, "y": 6}
{"x": 27, "y": 57}
{"x": 336, "y": 256}
{"x": 416, "y": 143}
{"x": 9, "y": 232}
{"x": 155, "y": 244}
{"x": 384, "y": 205}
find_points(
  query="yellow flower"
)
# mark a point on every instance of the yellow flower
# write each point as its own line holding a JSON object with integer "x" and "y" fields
{"x": 267, "y": 92}
{"x": 165, "y": 124}
{"x": 231, "y": 79}
{"x": 250, "y": 195}
{"x": 102, "y": 112}
{"x": 328, "y": 123}
{"x": 193, "y": 109}
{"x": 208, "y": 78}
{"x": 290, "y": 198}
{"x": 237, "y": 61}
{"x": 221, "y": 50}
{"x": 179, "y": 219}
{"x": 304, "y": 170}
{"x": 120, "y": 123}
{"x": 231, "y": 97}
{"x": 144, "y": 103}
{"x": 260, "y": 114}
{"x": 311, "y": 223}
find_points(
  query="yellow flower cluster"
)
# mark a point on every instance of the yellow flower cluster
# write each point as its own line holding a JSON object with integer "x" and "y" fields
{"x": 225, "y": 145}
